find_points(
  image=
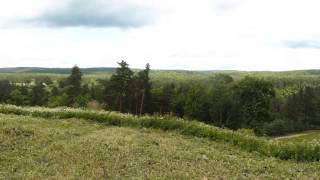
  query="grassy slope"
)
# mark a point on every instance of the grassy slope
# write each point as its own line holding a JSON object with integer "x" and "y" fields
{"x": 300, "y": 151}
{"x": 36, "y": 148}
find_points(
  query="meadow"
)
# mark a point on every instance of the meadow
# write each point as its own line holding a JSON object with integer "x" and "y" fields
{"x": 308, "y": 150}
{"x": 72, "y": 148}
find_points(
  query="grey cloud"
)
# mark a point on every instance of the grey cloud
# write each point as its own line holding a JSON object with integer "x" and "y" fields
{"x": 95, "y": 13}
{"x": 303, "y": 44}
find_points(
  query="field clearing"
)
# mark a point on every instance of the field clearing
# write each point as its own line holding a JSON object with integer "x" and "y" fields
{"x": 37, "y": 148}
{"x": 300, "y": 137}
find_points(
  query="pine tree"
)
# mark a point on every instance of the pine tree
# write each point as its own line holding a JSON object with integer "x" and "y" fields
{"x": 144, "y": 90}
{"x": 6, "y": 88}
{"x": 121, "y": 83}
{"x": 73, "y": 89}
{"x": 38, "y": 95}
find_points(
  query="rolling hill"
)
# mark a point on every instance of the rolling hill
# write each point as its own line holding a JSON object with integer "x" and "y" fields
{"x": 40, "y": 143}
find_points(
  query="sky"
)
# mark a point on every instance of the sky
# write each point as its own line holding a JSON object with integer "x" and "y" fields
{"x": 169, "y": 34}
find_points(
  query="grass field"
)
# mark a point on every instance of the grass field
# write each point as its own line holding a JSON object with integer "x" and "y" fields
{"x": 37, "y": 148}
{"x": 300, "y": 137}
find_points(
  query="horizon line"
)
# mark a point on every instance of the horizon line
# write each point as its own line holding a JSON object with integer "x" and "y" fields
{"x": 190, "y": 70}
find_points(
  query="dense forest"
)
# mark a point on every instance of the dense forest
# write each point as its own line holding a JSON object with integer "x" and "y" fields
{"x": 268, "y": 106}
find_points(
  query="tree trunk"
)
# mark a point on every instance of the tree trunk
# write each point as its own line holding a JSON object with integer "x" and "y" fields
{"x": 120, "y": 104}
{"x": 142, "y": 101}
{"x": 137, "y": 104}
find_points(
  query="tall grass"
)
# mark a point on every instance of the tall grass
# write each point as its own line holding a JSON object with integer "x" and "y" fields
{"x": 299, "y": 151}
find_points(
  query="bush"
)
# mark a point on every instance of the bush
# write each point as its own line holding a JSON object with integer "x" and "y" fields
{"x": 245, "y": 131}
{"x": 94, "y": 105}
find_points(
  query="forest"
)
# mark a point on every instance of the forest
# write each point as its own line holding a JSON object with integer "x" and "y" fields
{"x": 269, "y": 105}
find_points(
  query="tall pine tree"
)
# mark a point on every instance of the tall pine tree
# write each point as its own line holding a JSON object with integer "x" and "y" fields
{"x": 121, "y": 83}
{"x": 73, "y": 89}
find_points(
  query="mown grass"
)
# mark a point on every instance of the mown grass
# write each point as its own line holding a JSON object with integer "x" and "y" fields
{"x": 299, "y": 151}
{"x": 38, "y": 148}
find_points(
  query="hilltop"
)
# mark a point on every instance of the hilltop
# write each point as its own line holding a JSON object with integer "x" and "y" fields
{"x": 42, "y": 143}
{"x": 38, "y": 148}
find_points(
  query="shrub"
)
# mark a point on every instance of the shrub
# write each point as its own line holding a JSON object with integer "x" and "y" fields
{"x": 94, "y": 105}
{"x": 245, "y": 131}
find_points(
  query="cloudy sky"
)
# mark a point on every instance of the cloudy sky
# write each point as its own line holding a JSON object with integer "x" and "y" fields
{"x": 169, "y": 34}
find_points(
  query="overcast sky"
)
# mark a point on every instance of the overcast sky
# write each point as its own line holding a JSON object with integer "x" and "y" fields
{"x": 168, "y": 34}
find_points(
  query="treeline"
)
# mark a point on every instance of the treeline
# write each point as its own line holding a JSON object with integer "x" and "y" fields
{"x": 251, "y": 102}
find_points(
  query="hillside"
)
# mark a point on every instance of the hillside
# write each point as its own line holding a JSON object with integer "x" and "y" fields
{"x": 104, "y": 145}
{"x": 98, "y": 70}
{"x": 37, "y": 148}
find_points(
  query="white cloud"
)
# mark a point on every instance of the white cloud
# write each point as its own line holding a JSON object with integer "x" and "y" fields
{"x": 194, "y": 34}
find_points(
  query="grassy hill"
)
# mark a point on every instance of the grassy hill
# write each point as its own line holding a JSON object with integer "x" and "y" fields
{"x": 37, "y": 148}
{"x": 38, "y": 143}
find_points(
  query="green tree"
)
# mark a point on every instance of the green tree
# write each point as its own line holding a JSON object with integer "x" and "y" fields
{"x": 165, "y": 98}
{"x": 221, "y": 79}
{"x": 73, "y": 88}
{"x": 195, "y": 104}
{"x": 38, "y": 95}
{"x": 120, "y": 85}
{"x": 18, "y": 98}
{"x": 303, "y": 106}
{"x": 221, "y": 106}
{"x": 254, "y": 96}
{"x": 5, "y": 89}
{"x": 143, "y": 90}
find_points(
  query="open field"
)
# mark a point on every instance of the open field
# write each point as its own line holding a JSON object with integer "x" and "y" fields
{"x": 37, "y": 148}
{"x": 299, "y": 151}
{"x": 304, "y": 136}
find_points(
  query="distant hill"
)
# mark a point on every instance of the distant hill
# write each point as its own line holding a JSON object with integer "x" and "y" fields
{"x": 55, "y": 70}
{"x": 96, "y": 70}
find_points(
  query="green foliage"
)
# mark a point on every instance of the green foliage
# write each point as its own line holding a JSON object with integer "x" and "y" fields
{"x": 38, "y": 95}
{"x": 5, "y": 90}
{"x": 142, "y": 87}
{"x": 82, "y": 100}
{"x": 73, "y": 88}
{"x": 271, "y": 103}
{"x": 254, "y": 97}
{"x": 282, "y": 127}
{"x": 17, "y": 97}
{"x": 221, "y": 107}
{"x": 162, "y": 98}
{"x": 195, "y": 103}
{"x": 120, "y": 84}
{"x": 56, "y": 101}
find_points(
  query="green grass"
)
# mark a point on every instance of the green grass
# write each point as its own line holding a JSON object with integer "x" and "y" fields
{"x": 299, "y": 151}
{"x": 37, "y": 148}
{"x": 301, "y": 137}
